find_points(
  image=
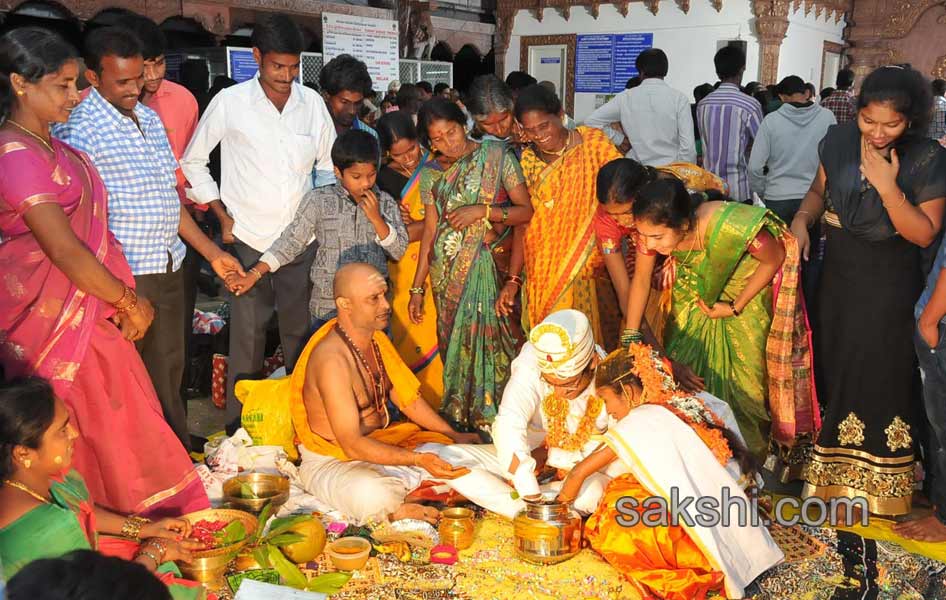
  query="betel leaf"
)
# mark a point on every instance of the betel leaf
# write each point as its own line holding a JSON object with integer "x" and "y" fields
{"x": 284, "y": 539}
{"x": 290, "y": 573}
{"x": 284, "y": 524}
{"x": 261, "y": 554}
{"x": 234, "y": 532}
{"x": 261, "y": 523}
{"x": 329, "y": 583}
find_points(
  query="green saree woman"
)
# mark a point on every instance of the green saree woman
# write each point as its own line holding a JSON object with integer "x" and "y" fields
{"x": 67, "y": 523}
{"x": 472, "y": 206}
{"x": 477, "y": 346}
{"x": 735, "y": 315}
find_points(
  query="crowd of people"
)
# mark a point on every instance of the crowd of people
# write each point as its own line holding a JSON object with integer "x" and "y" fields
{"x": 472, "y": 292}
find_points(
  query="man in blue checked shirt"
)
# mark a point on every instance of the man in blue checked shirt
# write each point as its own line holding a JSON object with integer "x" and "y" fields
{"x": 127, "y": 143}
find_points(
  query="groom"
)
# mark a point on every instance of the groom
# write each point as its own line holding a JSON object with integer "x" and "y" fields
{"x": 548, "y": 403}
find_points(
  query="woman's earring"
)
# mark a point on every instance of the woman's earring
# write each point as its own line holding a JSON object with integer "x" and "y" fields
{"x": 26, "y": 463}
{"x": 20, "y": 93}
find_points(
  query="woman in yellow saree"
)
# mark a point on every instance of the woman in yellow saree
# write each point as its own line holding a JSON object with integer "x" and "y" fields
{"x": 563, "y": 266}
{"x": 415, "y": 342}
{"x": 735, "y": 314}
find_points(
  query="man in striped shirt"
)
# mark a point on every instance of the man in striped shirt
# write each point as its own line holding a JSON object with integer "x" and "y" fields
{"x": 728, "y": 121}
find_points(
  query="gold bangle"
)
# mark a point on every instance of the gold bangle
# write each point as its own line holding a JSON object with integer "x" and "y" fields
{"x": 488, "y": 212}
{"x": 256, "y": 272}
{"x": 416, "y": 290}
{"x": 131, "y": 528}
{"x": 160, "y": 547}
{"x": 121, "y": 300}
{"x": 124, "y": 306}
{"x": 157, "y": 563}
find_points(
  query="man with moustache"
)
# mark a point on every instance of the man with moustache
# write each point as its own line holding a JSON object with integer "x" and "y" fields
{"x": 129, "y": 147}
{"x": 271, "y": 131}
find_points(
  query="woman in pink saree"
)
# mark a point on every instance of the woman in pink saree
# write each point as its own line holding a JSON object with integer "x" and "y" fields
{"x": 68, "y": 311}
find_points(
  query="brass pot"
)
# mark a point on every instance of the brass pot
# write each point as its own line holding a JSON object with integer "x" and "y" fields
{"x": 547, "y": 531}
{"x": 266, "y": 488}
{"x": 209, "y": 566}
{"x": 457, "y": 527}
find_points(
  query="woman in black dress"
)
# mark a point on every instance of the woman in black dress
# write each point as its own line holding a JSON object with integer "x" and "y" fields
{"x": 880, "y": 189}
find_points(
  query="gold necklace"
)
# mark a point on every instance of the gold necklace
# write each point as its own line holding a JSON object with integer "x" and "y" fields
{"x": 26, "y": 489}
{"x": 699, "y": 245}
{"x": 559, "y": 153}
{"x": 30, "y": 133}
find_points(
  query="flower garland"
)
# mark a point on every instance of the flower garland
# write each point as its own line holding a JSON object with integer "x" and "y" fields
{"x": 660, "y": 388}
{"x": 556, "y": 411}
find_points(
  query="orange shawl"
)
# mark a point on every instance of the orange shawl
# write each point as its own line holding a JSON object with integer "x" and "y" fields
{"x": 561, "y": 256}
{"x": 406, "y": 386}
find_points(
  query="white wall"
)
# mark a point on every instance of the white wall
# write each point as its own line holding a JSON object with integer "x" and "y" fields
{"x": 801, "y": 52}
{"x": 690, "y": 40}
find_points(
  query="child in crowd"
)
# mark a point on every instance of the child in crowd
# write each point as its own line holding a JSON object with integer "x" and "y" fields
{"x": 351, "y": 221}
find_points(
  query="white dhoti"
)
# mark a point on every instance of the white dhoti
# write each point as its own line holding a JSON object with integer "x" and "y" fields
{"x": 362, "y": 491}
{"x": 369, "y": 492}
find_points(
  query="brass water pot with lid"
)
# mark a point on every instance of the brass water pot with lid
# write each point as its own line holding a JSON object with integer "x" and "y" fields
{"x": 547, "y": 531}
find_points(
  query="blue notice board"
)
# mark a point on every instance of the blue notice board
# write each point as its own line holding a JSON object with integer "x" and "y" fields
{"x": 604, "y": 62}
{"x": 241, "y": 63}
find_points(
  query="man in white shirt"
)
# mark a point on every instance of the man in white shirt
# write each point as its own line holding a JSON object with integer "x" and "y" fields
{"x": 271, "y": 132}
{"x": 656, "y": 118}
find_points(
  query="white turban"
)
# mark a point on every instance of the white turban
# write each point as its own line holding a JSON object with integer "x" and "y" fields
{"x": 564, "y": 343}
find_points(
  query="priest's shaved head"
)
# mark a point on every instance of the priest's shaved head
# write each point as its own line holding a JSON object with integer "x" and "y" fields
{"x": 361, "y": 296}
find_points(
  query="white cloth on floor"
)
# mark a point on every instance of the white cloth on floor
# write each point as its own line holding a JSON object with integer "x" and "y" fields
{"x": 520, "y": 424}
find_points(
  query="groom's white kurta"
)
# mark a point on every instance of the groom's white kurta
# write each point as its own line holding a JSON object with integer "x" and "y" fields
{"x": 519, "y": 428}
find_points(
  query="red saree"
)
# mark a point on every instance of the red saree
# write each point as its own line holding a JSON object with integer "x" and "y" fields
{"x": 131, "y": 460}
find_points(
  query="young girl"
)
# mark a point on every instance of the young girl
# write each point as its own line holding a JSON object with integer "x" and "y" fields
{"x": 734, "y": 311}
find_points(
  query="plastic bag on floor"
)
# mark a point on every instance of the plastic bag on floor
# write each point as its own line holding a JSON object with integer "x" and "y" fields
{"x": 266, "y": 415}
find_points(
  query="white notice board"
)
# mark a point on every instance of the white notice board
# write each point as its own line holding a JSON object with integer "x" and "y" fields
{"x": 373, "y": 41}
